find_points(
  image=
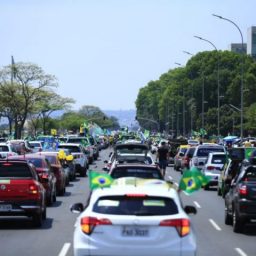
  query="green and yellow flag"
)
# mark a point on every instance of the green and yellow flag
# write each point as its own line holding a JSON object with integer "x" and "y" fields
{"x": 192, "y": 180}
{"x": 99, "y": 180}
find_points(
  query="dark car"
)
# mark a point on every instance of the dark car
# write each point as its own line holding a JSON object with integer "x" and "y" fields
{"x": 21, "y": 193}
{"x": 45, "y": 173}
{"x": 136, "y": 170}
{"x": 58, "y": 170}
{"x": 240, "y": 201}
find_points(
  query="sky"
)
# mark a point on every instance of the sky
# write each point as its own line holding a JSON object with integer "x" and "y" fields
{"x": 103, "y": 51}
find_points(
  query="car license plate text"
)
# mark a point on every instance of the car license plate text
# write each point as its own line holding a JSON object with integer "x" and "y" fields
{"x": 135, "y": 231}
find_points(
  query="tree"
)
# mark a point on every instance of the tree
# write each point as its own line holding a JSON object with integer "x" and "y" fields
{"x": 29, "y": 81}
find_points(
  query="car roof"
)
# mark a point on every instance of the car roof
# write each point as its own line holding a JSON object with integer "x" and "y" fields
{"x": 69, "y": 144}
{"x": 151, "y": 190}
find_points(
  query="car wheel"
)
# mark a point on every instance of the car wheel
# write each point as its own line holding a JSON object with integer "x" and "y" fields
{"x": 54, "y": 196}
{"x": 83, "y": 172}
{"x": 37, "y": 219}
{"x": 50, "y": 199}
{"x": 237, "y": 222}
{"x": 206, "y": 187}
{"x": 44, "y": 214}
{"x": 218, "y": 191}
{"x": 228, "y": 217}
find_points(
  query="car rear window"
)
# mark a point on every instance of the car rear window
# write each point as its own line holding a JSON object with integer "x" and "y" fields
{"x": 37, "y": 162}
{"x": 204, "y": 152}
{"x": 51, "y": 159}
{"x": 4, "y": 149}
{"x": 219, "y": 159}
{"x": 190, "y": 152}
{"x": 72, "y": 149}
{"x": 148, "y": 173}
{"x": 16, "y": 170}
{"x": 250, "y": 174}
{"x": 140, "y": 206}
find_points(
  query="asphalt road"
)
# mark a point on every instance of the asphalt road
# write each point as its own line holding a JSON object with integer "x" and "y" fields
{"x": 18, "y": 237}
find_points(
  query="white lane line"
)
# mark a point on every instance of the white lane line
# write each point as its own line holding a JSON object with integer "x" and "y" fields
{"x": 197, "y": 204}
{"x": 64, "y": 249}
{"x": 240, "y": 252}
{"x": 215, "y": 225}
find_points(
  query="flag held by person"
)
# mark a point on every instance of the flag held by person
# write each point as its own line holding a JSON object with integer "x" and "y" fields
{"x": 99, "y": 180}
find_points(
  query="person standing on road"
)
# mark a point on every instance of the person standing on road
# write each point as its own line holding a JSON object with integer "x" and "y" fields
{"x": 163, "y": 156}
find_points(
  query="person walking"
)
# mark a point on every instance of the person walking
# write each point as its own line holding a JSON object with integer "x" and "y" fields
{"x": 163, "y": 157}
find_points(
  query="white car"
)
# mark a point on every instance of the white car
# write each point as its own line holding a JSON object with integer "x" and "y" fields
{"x": 213, "y": 167}
{"x": 131, "y": 220}
{"x": 6, "y": 150}
{"x": 80, "y": 158}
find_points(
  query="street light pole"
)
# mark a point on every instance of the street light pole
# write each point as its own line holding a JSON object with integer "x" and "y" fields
{"x": 218, "y": 82}
{"x": 191, "y": 115}
{"x": 242, "y": 74}
{"x": 183, "y": 106}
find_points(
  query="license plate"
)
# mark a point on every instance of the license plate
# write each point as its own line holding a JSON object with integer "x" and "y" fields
{"x": 5, "y": 207}
{"x": 135, "y": 231}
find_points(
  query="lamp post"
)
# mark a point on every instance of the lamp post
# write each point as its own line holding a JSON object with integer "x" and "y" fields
{"x": 218, "y": 82}
{"x": 191, "y": 115}
{"x": 242, "y": 74}
{"x": 183, "y": 106}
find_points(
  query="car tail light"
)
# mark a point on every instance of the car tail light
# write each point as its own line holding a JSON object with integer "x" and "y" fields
{"x": 33, "y": 189}
{"x": 210, "y": 167}
{"x": 7, "y": 164}
{"x": 243, "y": 190}
{"x": 182, "y": 225}
{"x": 89, "y": 223}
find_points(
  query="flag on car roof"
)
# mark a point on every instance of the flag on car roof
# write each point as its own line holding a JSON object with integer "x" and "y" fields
{"x": 99, "y": 180}
{"x": 192, "y": 180}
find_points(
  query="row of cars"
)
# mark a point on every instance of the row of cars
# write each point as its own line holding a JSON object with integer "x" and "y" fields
{"x": 232, "y": 171}
{"x": 30, "y": 182}
{"x": 139, "y": 214}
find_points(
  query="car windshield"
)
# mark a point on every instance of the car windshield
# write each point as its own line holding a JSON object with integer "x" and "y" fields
{"x": 204, "y": 152}
{"x": 219, "y": 159}
{"x": 146, "y": 173}
{"x": 140, "y": 206}
{"x": 16, "y": 170}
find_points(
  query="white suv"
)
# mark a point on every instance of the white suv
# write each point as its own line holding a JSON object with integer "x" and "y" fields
{"x": 201, "y": 153}
{"x": 125, "y": 220}
{"x": 80, "y": 158}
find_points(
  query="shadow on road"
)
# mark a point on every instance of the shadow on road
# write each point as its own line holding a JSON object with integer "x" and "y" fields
{"x": 23, "y": 223}
{"x": 250, "y": 229}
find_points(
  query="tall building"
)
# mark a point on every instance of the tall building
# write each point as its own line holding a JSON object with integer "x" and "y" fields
{"x": 251, "y": 41}
{"x": 238, "y": 48}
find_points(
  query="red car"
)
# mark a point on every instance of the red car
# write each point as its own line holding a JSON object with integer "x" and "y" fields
{"x": 58, "y": 170}
{"x": 45, "y": 173}
{"x": 21, "y": 193}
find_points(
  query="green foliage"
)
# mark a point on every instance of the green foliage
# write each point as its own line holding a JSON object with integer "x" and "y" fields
{"x": 163, "y": 100}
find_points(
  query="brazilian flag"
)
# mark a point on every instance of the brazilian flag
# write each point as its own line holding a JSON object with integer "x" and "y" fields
{"x": 192, "y": 180}
{"x": 99, "y": 180}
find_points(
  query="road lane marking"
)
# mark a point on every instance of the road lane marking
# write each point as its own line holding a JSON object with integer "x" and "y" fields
{"x": 215, "y": 225}
{"x": 240, "y": 252}
{"x": 64, "y": 249}
{"x": 197, "y": 204}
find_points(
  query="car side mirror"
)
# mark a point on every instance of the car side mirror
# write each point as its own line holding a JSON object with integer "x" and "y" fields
{"x": 77, "y": 208}
{"x": 189, "y": 209}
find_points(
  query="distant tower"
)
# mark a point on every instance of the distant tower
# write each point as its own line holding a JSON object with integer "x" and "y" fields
{"x": 251, "y": 41}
